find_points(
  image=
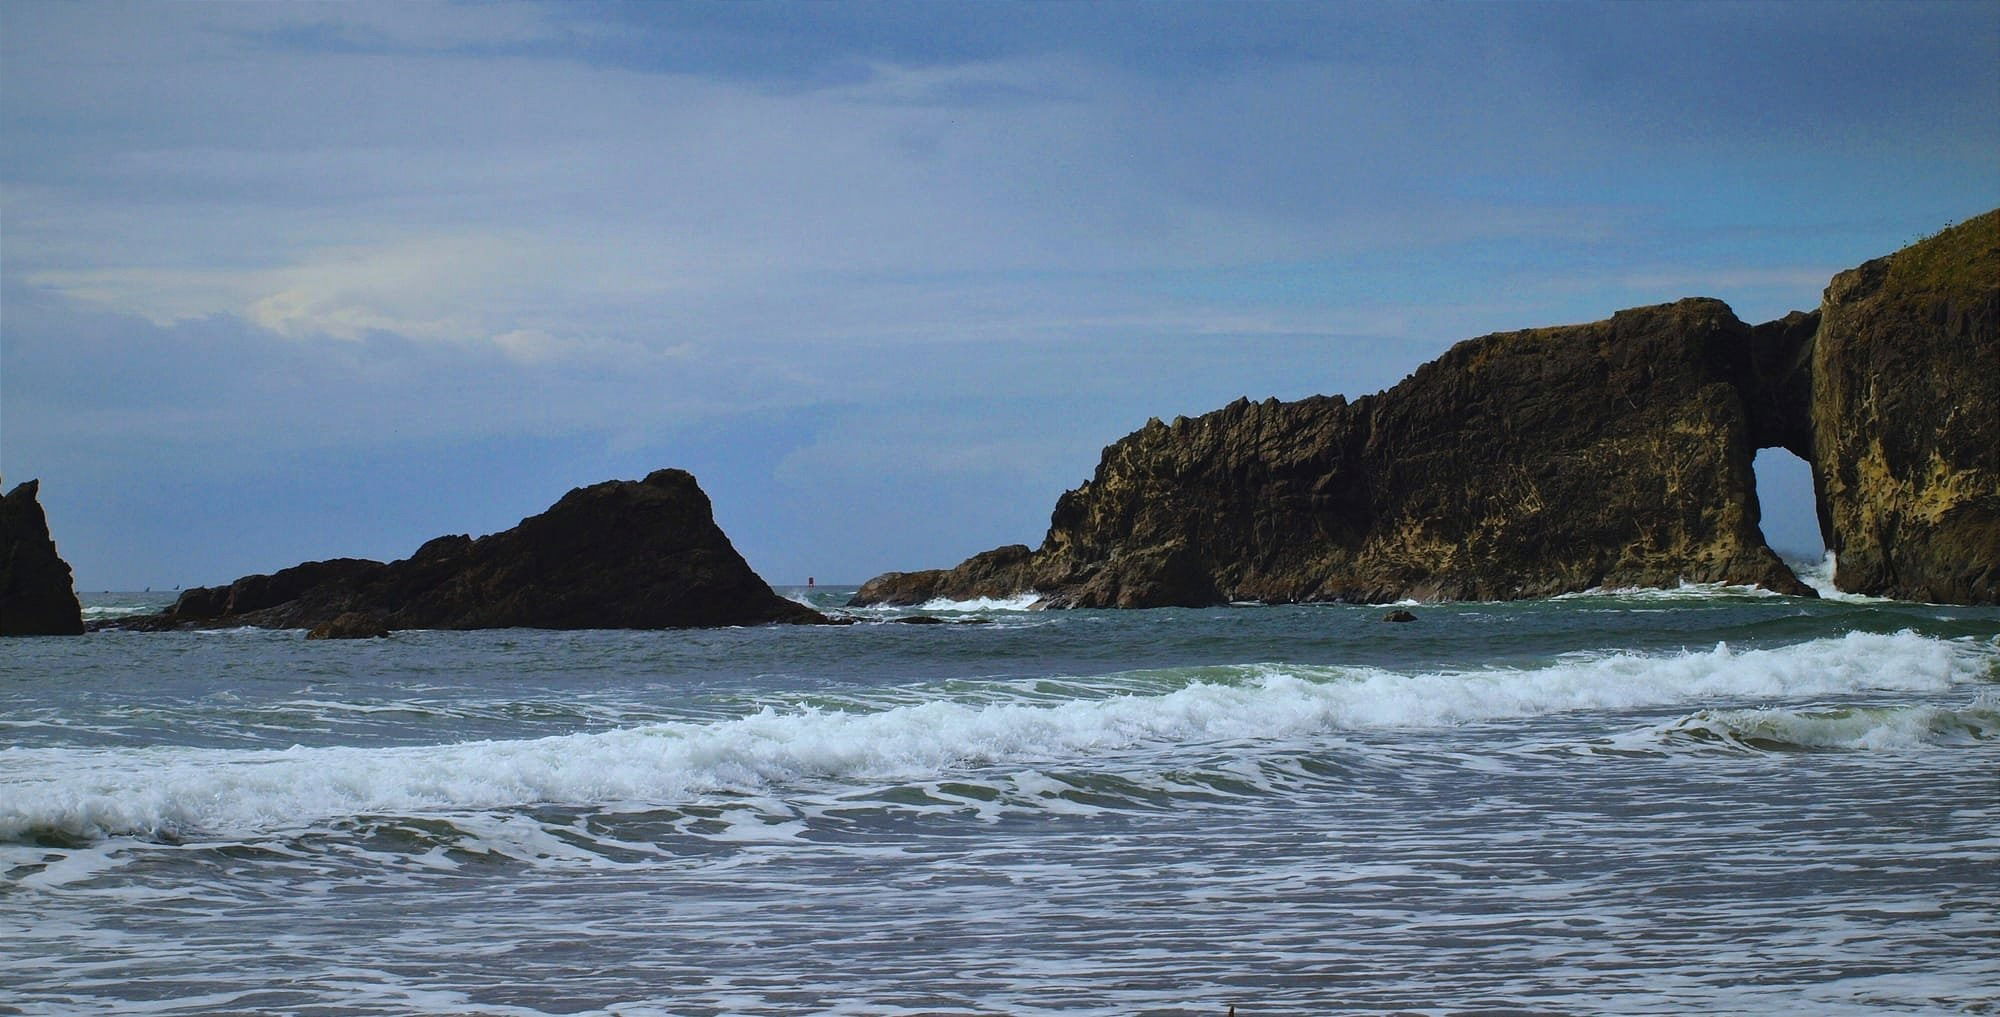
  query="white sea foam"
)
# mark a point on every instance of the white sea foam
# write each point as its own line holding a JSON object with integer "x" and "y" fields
{"x": 187, "y": 791}
{"x": 1021, "y": 602}
{"x": 1819, "y": 575}
{"x": 95, "y": 612}
{"x": 1683, "y": 592}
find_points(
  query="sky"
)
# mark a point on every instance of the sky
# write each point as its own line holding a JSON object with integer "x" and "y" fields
{"x": 281, "y": 282}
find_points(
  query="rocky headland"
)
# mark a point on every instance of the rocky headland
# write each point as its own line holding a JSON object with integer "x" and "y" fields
{"x": 622, "y": 554}
{"x": 1526, "y": 464}
{"x": 37, "y": 597}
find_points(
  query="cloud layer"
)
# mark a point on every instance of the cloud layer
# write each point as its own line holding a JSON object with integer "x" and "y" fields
{"x": 886, "y": 275}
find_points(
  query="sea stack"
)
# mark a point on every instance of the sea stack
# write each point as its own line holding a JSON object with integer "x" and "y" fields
{"x": 1905, "y": 388}
{"x": 36, "y": 595}
{"x": 1526, "y": 464}
{"x": 622, "y": 554}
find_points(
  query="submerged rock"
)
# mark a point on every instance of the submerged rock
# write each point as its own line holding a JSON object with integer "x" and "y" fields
{"x": 1399, "y": 615}
{"x": 37, "y": 597}
{"x": 621, "y": 554}
{"x": 1526, "y": 464}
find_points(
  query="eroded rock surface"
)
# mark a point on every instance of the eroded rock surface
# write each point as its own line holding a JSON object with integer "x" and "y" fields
{"x": 1905, "y": 376}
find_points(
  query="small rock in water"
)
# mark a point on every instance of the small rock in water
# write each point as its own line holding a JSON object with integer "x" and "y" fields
{"x": 1399, "y": 615}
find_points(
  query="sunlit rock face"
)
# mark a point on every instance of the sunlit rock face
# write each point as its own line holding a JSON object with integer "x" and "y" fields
{"x": 1906, "y": 419}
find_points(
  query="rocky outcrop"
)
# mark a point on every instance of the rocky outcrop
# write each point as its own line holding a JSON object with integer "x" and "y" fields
{"x": 1905, "y": 383}
{"x": 621, "y": 554}
{"x": 351, "y": 625}
{"x": 1001, "y": 572}
{"x": 36, "y": 595}
{"x": 1525, "y": 464}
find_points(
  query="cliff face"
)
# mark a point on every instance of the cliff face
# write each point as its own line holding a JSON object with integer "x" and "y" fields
{"x": 1516, "y": 465}
{"x": 1526, "y": 464}
{"x": 36, "y": 596}
{"x": 621, "y": 554}
{"x": 1906, "y": 406}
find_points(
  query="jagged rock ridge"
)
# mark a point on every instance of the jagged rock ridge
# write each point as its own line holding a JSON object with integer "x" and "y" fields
{"x": 620, "y": 554}
{"x": 36, "y": 594}
{"x": 1524, "y": 464}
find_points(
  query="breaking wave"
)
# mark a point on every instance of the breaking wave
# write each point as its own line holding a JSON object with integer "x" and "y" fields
{"x": 1837, "y": 727}
{"x": 1145, "y": 721}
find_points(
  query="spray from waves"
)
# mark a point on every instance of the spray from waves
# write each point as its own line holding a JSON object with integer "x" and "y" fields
{"x": 1684, "y": 592}
{"x": 1021, "y": 602}
{"x": 1818, "y": 574}
{"x": 82, "y": 794}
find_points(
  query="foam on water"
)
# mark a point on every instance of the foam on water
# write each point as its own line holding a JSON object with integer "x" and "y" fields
{"x": 94, "y": 612}
{"x": 1022, "y": 602}
{"x": 1686, "y": 591}
{"x": 1152, "y": 717}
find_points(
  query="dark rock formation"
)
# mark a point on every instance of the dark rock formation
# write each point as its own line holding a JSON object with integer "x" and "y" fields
{"x": 1526, "y": 464}
{"x": 1399, "y": 615}
{"x": 1001, "y": 572}
{"x": 36, "y": 597}
{"x": 351, "y": 625}
{"x": 621, "y": 554}
{"x": 1516, "y": 465}
{"x": 1905, "y": 388}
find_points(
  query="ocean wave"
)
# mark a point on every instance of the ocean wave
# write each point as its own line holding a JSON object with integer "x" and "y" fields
{"x": 1158, "y": 715}
{"x": 1835, "y": 728}
{"x": 1020, "y": 602}
{"x": 94, "y": 612}
{"x": 1683, "y": 592}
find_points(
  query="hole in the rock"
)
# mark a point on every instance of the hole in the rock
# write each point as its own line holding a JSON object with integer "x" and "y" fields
{"x": 1785, "y": 498}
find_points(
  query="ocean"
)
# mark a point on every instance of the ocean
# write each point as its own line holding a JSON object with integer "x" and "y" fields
{"x": 1706, "y": 800}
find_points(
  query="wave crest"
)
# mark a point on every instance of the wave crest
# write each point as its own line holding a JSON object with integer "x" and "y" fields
{"x": 1103, "y": 723}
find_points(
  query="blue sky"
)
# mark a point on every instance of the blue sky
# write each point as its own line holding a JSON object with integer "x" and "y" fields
{"x": 291, "y": 281}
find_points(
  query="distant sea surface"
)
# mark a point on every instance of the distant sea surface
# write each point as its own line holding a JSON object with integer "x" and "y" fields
{"x": 1697, "y": 801}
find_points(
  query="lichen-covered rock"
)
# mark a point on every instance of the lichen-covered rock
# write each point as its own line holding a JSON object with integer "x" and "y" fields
{"x": 36, "y": 594}
{"x": 621, "y": 554}
{"x": 1906, "y": 403}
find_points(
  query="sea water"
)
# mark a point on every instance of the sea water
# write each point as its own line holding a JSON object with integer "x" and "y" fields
{"x": 1705, "y": 800}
